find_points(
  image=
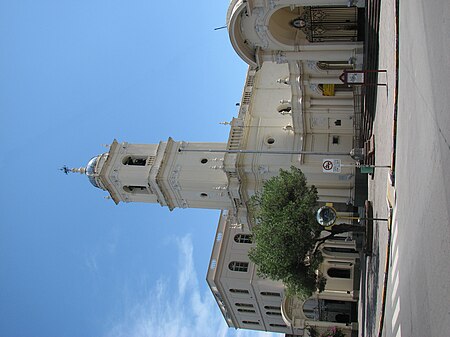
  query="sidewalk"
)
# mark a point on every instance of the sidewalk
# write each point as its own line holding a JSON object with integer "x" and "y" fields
{"x": 379, "y": 117}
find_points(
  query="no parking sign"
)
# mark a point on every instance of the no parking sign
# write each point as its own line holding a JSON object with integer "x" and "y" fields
{"x": 331, "y": 166}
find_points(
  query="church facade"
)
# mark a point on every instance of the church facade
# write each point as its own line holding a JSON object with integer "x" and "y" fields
{"x": 294, "y": 111}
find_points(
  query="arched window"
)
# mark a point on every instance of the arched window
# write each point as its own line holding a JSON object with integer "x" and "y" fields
{"x": 311, "y": 309}
{"x": 238, "y": 266}
{"x": 334, "y": 65}
{"x": 330, "y": 310}
{"x": 134, "y": 160}
{"x": 243, "y": 238}
{"x": 136, "y": 189}
{"x": 239, "y": 291}
{"x": 284, "y": 109}
{"x": 338, "y": 273}
{"x": 331, "y": 250}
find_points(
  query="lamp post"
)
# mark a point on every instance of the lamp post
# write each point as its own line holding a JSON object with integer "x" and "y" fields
{"x": 326, "y": 216}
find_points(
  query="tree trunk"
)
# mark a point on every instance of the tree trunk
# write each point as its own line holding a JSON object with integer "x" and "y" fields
{"x": 344, "y": 228}
{"x": 338, "y": 229}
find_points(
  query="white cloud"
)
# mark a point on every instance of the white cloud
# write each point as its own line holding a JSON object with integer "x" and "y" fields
{"x": 90, "y": 261}
{"x": 186, "y": 311}
{"x": 107, "y": 247}
{"x": 187, "y": 276}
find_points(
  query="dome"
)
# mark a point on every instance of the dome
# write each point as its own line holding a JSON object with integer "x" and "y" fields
{"x": 236, "y": 12}
{"x": 92, "y": 172}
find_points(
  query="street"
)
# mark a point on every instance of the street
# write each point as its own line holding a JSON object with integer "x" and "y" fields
{"x": 418, "y": 291}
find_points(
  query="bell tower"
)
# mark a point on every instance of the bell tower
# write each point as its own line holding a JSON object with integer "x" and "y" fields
{"x": 162, "y": 173}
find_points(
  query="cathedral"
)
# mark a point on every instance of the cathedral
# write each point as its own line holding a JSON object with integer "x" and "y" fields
{"x": 294, "y": 111}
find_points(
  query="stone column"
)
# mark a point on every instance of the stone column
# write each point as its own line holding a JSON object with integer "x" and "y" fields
{"x": 313, "y": 55}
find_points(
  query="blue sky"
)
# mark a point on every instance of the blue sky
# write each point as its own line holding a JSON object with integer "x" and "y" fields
{"x": 75, "y": 75}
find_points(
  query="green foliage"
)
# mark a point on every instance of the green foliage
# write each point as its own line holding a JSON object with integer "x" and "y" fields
{"x": 330, "y": 332}
{"x": 286, "y": 231}
{"x": 312, "y": 331}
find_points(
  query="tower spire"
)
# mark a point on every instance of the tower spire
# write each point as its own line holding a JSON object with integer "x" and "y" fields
{"x": 66, "y": 170}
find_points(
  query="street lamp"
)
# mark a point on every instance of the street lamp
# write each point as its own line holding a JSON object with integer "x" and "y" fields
{"x": 326, "y": 216}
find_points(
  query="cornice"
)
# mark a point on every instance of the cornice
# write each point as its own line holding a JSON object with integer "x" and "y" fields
{"x": 159, "y": 178}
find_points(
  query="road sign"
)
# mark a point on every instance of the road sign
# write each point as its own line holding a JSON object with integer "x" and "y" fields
{"x": 353, "y": 77}
{"x": 328, "y": 90}
{"x": 331, "y": 166}
{"x": 359, "y": 77}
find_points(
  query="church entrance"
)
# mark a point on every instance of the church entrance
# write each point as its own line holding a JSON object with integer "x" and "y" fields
{"x": 331, "y": 311}
{"x": 331, "y": 24}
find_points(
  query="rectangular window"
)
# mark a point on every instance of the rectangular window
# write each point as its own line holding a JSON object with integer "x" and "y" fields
{"x": 247, "y": 305}
{"x": 250, "y": 322}
{"x": 250, "y": 311}
{"x": 269, "y": 293}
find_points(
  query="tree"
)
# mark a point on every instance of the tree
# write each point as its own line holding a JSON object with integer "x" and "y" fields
{"x": 287, "y": 235}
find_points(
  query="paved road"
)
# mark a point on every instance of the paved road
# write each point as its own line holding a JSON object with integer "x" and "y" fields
{"x": 418, "y": 297}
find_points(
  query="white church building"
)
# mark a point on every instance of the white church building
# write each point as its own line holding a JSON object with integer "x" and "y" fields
{"x": 294, "y": 111}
